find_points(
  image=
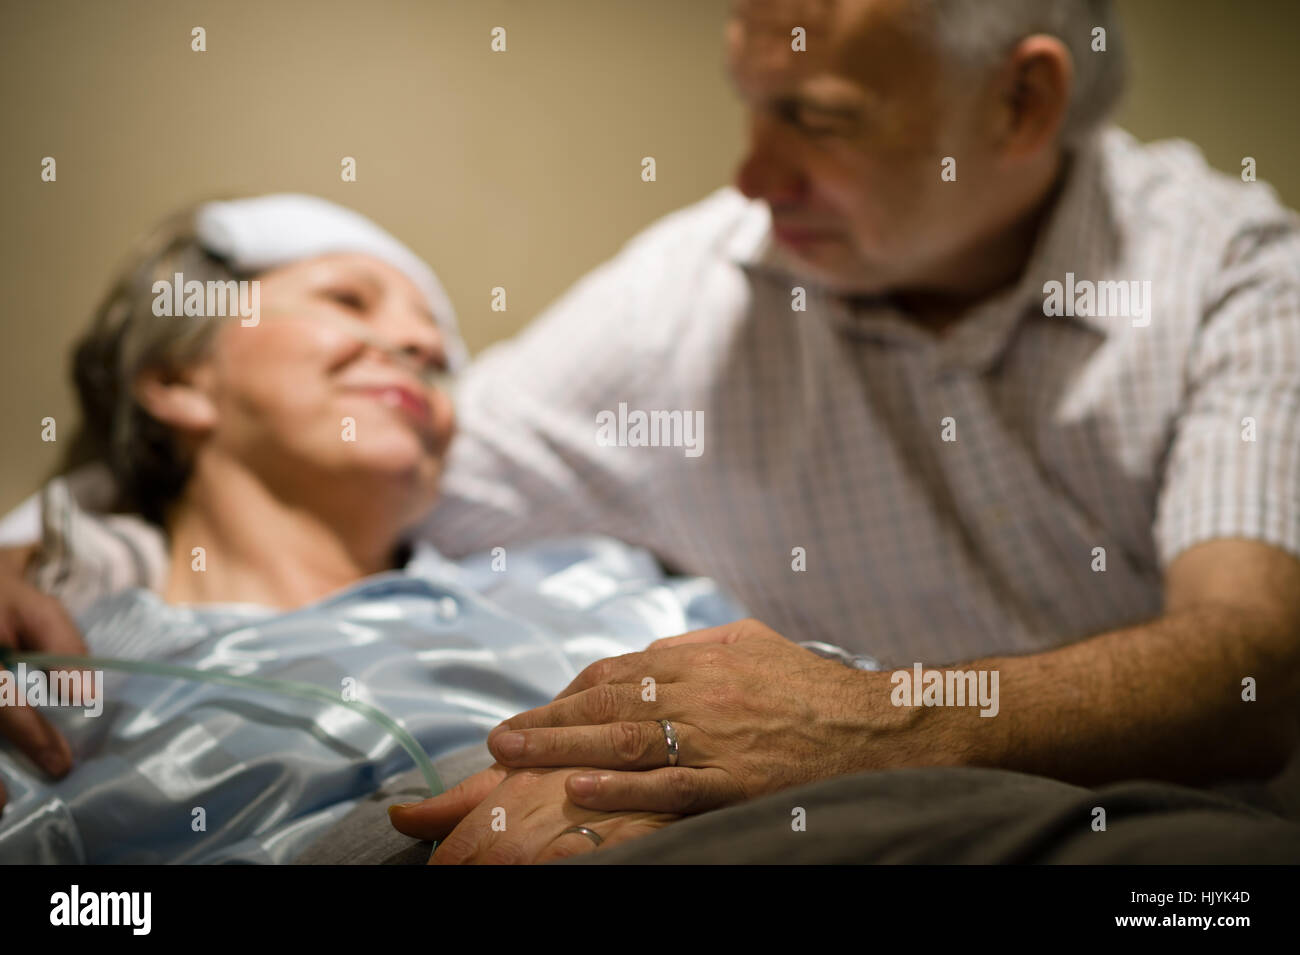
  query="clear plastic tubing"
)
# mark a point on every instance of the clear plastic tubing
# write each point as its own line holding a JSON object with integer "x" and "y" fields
{"x": 305, "y": 691}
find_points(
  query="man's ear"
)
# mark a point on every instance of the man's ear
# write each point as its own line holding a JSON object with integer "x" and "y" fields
{"x": 177, "y": 399}
{"x": 1034, "y": 93}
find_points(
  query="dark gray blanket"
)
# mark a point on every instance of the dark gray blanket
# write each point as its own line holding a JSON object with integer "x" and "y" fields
{"x": 971, "y": 816}
{"x": 941, "y": 815}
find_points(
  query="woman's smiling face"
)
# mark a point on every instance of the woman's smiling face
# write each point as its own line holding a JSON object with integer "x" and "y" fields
{"x": 332, "y": 384}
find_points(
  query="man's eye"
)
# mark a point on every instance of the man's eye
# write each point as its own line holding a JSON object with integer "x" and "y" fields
{"x": 818, "y": 130}
{"x": 810, "y": 123}
{"x": 819, "y": 125}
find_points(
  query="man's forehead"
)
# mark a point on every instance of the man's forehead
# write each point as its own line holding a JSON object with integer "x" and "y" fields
{"x": 776, "y": 15}
{"x": 829, "y": 22}
{"x": 847, "y": 43}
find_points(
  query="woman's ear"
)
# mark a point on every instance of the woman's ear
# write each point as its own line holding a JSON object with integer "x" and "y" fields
{"x": 1035, "y": 88}
{"x": 177, "y": 399}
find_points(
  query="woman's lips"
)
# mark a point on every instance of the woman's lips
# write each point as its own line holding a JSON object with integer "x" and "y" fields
{"x": 407, "y": 400}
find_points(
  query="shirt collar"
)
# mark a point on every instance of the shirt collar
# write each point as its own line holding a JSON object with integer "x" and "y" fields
{"x": 1079, "y": 236}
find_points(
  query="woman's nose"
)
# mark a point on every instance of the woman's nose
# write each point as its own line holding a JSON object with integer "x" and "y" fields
{"x": 413, "y": 334}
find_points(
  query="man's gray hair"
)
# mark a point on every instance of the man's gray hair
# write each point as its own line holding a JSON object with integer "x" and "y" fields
{"x": 977, "y": 34}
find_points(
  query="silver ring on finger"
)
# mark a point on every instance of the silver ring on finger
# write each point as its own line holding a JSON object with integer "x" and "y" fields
{"x": 670, "y": 737}
{"x": 591, "y": 834}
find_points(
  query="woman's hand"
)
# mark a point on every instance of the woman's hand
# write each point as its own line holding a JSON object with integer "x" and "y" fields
{"x": 522, "y": 820}
{"x": 14, "y": 560}
{"x": 31, "y": 620}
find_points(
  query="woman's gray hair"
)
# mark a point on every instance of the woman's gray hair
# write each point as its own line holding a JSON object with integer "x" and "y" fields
{"x": 977, "y": 34}
{"x": 126, "y": 338}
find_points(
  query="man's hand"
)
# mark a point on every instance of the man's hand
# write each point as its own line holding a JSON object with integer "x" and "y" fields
{"x": 753, "y": 713}
{"x": 522, "y": 820}
{"x": 31, "y": 620}
{"x": 1162, "y": 699}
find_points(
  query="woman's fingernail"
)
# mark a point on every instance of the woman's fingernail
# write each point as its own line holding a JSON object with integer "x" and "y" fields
{"x": 510, "y": 745}
{"x": 584, "y": 785}
{"x": 401, "y": 807}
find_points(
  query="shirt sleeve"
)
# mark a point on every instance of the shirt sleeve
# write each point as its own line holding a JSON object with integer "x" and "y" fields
{"x": 525, "y": 462}
{"x": 1233, "y": 469}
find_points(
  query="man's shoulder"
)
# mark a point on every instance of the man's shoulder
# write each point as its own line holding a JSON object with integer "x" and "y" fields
{"x": 722, "y": 223}
{"x": 1166, "y": 192}
{"x": 621, "y": 319}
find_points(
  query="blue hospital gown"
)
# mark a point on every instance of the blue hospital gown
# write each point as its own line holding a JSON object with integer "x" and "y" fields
{"x": 182, "y": 771}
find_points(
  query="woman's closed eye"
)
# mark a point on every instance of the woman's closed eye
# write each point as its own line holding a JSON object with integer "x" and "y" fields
{"x": 349, "y": 298}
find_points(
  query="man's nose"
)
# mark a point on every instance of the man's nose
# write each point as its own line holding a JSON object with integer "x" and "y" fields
{"x": 768, "y": 171}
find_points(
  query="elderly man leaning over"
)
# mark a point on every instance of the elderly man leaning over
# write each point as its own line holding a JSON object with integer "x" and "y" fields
{"x": 933, "y": 430}
{"x": 960, "y": 377}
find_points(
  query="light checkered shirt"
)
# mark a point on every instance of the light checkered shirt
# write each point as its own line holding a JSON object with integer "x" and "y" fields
{"x": 824, "y": 429}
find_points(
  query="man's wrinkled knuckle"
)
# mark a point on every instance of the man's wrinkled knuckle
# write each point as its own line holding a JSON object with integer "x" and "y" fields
{"x": 603, "y": 704}
{"x": 728, "y": 696}
{"x": 598, "y": 672}
{"x": 628, "y": 742}
{"x": 709, "y": 657}
{"x": 682, "y": 790}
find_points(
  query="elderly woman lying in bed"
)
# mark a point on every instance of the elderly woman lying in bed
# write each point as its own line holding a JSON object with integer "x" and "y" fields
{"x": 286, "y": 455}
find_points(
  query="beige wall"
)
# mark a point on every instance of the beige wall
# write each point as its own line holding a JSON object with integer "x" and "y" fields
{"x": 519, "y": 169}
{"x": 1222, "y": 73}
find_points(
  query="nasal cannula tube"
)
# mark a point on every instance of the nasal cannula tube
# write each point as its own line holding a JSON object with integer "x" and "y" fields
{"x": 306, "y": 691}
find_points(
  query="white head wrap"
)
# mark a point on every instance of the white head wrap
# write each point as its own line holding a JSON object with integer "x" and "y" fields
{"x": 268, "y": 231}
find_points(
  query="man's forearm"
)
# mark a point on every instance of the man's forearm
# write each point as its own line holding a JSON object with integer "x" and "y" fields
{"x": 1160, "y": 700}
